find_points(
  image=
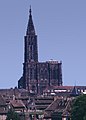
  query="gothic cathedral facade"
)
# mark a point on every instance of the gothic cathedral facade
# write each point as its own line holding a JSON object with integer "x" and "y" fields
{"x": 37, "y": 76}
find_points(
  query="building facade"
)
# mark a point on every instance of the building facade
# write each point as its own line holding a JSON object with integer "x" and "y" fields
{"x": 37, "y": 75}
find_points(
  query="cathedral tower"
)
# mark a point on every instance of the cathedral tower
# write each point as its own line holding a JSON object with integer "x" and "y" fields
{"x": 31, "y": 52}
{"x": 37, "y": 76}
{"x": 30, "y": 57}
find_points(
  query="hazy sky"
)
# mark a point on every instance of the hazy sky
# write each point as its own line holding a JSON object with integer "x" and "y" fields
{"x": 61, "y": 29}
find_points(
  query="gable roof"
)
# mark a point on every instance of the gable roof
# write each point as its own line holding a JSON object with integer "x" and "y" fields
{"x": 17, "y": 104}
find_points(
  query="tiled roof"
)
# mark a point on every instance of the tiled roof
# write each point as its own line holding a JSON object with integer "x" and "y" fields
{"x": 53, "y": 105}
{"x": 17, "y": 104}
{"x": 43, "y": 101}
{"x": 64, "y": 87}
{"x": 59, "y": 105}
{"x": 67, "y": 110}
{"x": 3, "y": 106}
{"x": 2, "y": 101}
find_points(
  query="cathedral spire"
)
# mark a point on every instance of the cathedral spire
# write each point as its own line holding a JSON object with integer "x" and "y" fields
{"x": 30, "y": 10}
{"x": 30, "y": 27}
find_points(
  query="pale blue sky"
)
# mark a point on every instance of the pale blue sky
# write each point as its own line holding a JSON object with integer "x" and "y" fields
{"x": 61, "y": 29}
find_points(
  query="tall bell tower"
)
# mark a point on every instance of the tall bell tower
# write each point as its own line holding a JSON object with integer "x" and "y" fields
{"x": 30, "y": 41}
{"x": 30, "y": 57}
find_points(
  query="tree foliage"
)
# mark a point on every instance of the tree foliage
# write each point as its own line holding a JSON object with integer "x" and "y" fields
{"x": 12, "y": 115}
{"x": 79, "y": 108}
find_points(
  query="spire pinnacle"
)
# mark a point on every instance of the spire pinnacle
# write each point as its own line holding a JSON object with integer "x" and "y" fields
{"x": 30, "y": 27}
{"x": 30, "y": 10}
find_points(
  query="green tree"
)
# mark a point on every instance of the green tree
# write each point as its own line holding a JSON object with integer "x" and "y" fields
{"x": 12, "y": 115}
{"x": 79, "y": 108}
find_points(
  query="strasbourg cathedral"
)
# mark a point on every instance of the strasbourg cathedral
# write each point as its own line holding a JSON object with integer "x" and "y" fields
{"x": 37, "y": 76}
